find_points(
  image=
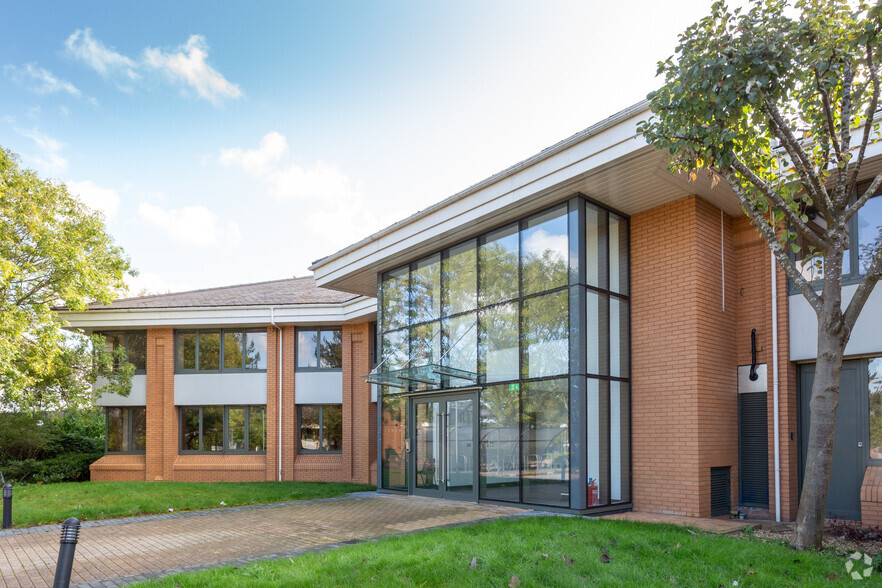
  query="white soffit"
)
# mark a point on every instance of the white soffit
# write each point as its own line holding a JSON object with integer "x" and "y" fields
{"x": 356, "y": 310}
{"x": 609, "y": 163}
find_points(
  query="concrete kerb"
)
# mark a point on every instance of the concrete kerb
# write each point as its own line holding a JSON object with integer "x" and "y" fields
{"x": 189, "y": 513}
{"x": 125, "y": 580}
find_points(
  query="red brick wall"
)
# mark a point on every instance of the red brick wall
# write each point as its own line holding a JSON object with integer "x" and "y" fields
{"x": 684, "y": 418}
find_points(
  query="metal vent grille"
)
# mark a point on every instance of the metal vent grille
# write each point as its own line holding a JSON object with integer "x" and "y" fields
{"x": 753, "y": 449}
{"x": 719, "y": 491}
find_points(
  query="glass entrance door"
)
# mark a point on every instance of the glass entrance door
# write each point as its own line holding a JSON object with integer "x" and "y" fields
{"x": 445, "y": 452}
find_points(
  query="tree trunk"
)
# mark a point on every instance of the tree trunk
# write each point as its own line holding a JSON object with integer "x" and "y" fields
{"x": 822, "y": 424}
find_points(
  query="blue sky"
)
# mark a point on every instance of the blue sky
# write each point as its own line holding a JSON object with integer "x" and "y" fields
{"x": 237, "y": 142}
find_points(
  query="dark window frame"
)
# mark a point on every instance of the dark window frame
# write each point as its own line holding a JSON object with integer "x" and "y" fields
{"x": 318, "y": 358}
{"x": 125, "y": 344}
{"x": 226, "y": 431}
{"x": 128, "y": 417}
{"x": 853, "y": 275}
{"x": 321, "y": 407}
{"x": 222, "y": 369}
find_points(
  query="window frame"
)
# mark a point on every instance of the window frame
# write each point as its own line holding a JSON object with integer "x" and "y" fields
{"x": 128, "y": 418}
{"x": 318, "y": 357}
{"x": 853, "y": 275}
{"x": 226, "y": 431}
{"x": 125, "y": 344}
{"x": 321, "y": 407}
{"x": 222, "y": 369}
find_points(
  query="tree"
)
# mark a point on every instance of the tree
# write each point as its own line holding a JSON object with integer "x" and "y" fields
{"x": 53, "y": 251}
{"x": 781, "y": 102}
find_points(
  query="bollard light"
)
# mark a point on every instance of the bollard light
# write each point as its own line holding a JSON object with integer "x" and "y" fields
{"x": 70, "y": 530}
{"x": 7, "y": 506}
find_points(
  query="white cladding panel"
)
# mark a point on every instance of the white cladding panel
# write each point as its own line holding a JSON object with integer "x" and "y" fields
{"x": 137, "y": 396}
{"x": 209, "y": 389}
{"x": 318, "y": 387}
{"x": 865, "y": 339}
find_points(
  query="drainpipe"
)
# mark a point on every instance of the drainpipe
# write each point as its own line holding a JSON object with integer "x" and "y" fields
{"x": 775, "y": 389}
{"x": 279, "y": 358}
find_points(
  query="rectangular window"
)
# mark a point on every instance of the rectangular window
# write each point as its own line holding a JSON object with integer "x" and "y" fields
{"x": 425, "y": 290}
{"x": 135, "y": 344}
{"x": 498, "y": 266}
{"x": 220, "y": 350}
{"x": 320, "y": 349}
{"x": 223, "y": 429}
{"x": 874, "y": 375}
{"x": 498, "y": 342}
{"x": 321, "y": 428}
{"x": 499, "y": 447}
{"x": 545, "y": 336}
{"x": 125, "y": 429}
{"x": 545, "y": 444}
{"x": 545, "y": 251}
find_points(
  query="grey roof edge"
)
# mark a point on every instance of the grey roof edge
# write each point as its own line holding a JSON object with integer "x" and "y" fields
{"x": 594, "y": 129}
{"x": 97, "y": 306}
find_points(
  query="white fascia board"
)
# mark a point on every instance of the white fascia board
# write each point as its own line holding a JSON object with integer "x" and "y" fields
{"x": 243, "y": 316}
{"x": 591, "y": 152}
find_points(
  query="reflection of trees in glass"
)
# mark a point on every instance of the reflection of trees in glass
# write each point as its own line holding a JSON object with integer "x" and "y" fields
{"x": 233, "y": 349}
{"x": 425, "y": 344}
{"x": 394, "y": 464}
{"x": 187, "y": 350}
{"x": 257, "y": 428}
{"x": 460, "y": 281}
{"x": 461, "y": 342}
{"x": 393, "y": 300}
{"x": 213, "y": 428}
{"x": 425, "y": 290}
{"x": 236, "y": 428}
{"x": 190, "y": 429}
{"x": 331, "y": 349}
{"x": 498, "y": 258}
{"x": 545, "y": 441}
{"x": 545, "y": 252}
{"x": 393, "y": 354}
{"x": 545, "y": 335}
{"x": 139, "y": 429}
{"x": 332, "y": 427}
{"x": 498, "y": 342}
{"x": 869, "y": 231}
{"x": 310, "y": 427}
{"x": 255, "y": 350}
{"x": 209, "y": 350}
{"x": 875, "y": 378}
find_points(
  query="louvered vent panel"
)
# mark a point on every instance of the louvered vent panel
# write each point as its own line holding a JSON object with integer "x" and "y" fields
{"x": 719, "y": 491}
{"x": 753, "y": 438}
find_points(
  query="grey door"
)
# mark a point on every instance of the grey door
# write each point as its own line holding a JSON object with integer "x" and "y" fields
{"x": 844, "y": 498}
{"x": 444, "y": 452}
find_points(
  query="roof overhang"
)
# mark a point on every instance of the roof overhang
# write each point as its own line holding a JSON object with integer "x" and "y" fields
{"x": 356, "y": 310}
{"x": 608, "y": 162}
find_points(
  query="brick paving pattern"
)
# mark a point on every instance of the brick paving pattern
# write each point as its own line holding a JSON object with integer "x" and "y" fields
{"x": 133, "y": 550}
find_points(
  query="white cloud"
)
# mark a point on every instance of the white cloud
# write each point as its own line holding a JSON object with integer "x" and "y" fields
{"x": 103, "y": 59}
{"x": 319, "y": 181}
{"x": 260, "y": 161}
{"x": 187, "y": 64}
{"x": 40, "y": 80}
{"x": 194, "y": 225}
{"x": 95, "y": 197}
{"x": 50, "y": 160}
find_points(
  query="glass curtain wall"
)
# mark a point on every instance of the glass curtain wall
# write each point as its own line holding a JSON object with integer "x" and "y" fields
{"x": 507, "y": 305}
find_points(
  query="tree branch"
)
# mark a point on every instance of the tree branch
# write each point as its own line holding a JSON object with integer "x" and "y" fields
{"x": 800, "y": 160}
{"x": 759, "y": 221}
{"x": 868, "y": 193}
{"x": 868, "y": 122}
{"x": 874, "y": 272}
{"x": 828, "y": 113}
{"x": 776, "y": 199}
{"x": 840, "y": 195}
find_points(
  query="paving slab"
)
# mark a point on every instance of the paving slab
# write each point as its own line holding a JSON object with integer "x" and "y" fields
{"x": 119, "y": 552}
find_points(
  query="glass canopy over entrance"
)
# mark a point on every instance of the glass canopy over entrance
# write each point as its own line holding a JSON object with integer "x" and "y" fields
{"x": 504, "y": 364}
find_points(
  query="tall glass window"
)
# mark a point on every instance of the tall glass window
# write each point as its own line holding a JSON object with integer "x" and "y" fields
{"x": 499, "y": 306}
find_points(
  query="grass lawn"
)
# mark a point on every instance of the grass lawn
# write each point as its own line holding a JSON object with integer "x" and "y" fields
{"x": 38, "y": 504}
{"x": 541, "y": 552}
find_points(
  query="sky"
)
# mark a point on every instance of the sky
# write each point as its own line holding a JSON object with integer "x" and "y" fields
{"x": 228, "y": 143}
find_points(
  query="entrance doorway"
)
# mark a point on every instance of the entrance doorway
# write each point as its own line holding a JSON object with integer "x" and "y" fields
{"x": 445, "y": 450}
{"x": 844, "y": 498}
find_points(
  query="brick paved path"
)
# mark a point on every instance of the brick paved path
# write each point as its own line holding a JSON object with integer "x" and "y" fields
{"x": 122, "y": 551}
